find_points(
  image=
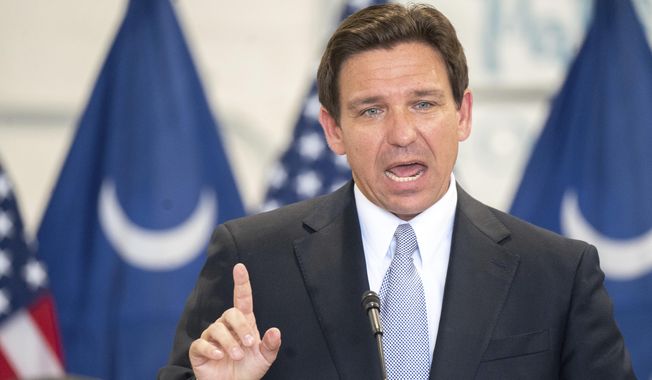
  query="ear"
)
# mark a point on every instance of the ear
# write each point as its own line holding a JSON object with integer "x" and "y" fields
{"x": 332, "y": 131}
{"x": 465, "y": 116}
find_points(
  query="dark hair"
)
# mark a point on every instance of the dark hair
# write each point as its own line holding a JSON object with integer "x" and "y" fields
{"x": 385, "y": 26}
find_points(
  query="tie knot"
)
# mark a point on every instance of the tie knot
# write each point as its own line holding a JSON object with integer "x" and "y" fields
{"x": 406, "y": 240}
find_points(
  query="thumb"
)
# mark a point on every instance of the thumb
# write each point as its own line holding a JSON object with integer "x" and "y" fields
{"x": 271, "y": 344}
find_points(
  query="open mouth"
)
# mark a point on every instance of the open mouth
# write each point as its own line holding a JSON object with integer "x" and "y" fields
{"x": 405, "y": 173}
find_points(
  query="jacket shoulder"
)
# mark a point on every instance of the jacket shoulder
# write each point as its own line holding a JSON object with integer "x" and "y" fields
{"x": 520, "y": 236}
{"x": 294, "y": 220}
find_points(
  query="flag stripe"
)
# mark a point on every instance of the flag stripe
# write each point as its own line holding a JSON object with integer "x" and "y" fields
{"x": 42, "y": 312}
{"x": 24, "y": 350}
{"x": 6, "y": 370}
{"x": 19, "y": 335}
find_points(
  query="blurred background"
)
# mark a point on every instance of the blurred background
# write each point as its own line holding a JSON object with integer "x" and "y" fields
{"x": 256, "y": 61}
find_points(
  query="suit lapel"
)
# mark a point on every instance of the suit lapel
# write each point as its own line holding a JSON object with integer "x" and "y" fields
{"x": 480, "y": 274}
{"x": 332, "y": 262}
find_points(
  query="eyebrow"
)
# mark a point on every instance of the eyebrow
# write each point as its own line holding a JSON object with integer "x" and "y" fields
{"x": 430, "y": 92}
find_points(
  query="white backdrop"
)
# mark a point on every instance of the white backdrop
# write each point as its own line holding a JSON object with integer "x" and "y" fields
{"x": 257, "y": 59}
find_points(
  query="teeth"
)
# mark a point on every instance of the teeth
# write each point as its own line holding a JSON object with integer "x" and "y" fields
{"x": 396, "y": 178}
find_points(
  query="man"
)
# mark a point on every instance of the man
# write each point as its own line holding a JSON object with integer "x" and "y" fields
{"x": 466, "y": 291}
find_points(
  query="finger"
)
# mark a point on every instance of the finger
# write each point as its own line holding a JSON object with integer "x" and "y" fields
{"x": 223, "y": 338}
{"x": 202, "y": 351}
{"x": 242, "y": 297}
{"x": 271, "y": 344}
{"x": 238, "y": 323}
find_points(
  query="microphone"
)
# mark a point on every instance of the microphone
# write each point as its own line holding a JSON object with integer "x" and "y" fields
{"x": 371, "y": 304}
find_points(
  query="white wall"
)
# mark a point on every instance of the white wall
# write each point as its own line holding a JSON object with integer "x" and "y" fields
{"x": 256, "y": 59}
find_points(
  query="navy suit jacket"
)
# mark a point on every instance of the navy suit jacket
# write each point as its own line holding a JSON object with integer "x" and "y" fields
{"x": 520, "y": 302}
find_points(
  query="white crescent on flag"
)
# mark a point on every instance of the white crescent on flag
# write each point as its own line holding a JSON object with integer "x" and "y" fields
{"x": 159, "y": 250}
{"x": 622, "y": 259}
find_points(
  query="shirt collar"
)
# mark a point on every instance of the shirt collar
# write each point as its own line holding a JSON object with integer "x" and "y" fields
{"x": 431, "y": 226}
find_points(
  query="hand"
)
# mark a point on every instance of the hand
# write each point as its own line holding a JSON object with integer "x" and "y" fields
{"x": 231, "y": 347}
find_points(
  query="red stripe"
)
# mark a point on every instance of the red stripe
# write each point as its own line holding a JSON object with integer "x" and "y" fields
{"x": 42, "y": 312}
{"x": 6, "y": 371}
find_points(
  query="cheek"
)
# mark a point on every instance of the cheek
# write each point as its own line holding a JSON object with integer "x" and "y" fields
{"x": 361, "y": 143}
{"x": 442, "y": 140}
{"x": 362, "y": 152}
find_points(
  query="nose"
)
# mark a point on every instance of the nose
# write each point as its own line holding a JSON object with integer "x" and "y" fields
{"x": 401, "y": 129}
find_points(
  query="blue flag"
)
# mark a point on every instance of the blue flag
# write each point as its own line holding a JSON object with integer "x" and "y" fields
{"x": 590, "y": 175}
{"x": 308, "y": 167}
{"x": 144, "y": 184}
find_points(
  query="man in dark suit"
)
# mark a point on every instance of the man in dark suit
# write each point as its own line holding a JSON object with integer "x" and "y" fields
{"x": 481, "y": 294}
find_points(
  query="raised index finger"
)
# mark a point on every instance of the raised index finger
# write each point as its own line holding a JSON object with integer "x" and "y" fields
{"x": 242, "y": 297}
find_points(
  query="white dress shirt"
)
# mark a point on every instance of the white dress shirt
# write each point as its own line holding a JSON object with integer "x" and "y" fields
{"x": 434, "y": 230}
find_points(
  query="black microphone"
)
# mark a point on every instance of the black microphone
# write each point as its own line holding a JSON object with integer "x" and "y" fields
{"x": 371, "y": 304}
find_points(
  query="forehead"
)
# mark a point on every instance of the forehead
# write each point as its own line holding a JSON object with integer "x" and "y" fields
{"x": 400, "y": 68}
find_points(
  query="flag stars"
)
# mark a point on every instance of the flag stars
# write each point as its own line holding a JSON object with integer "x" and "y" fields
{"x": 5, "y": 263}
{"x": 308, "y": 184}
{"x": 341, "y": 162}
{"x": 5, "y": 187}
{"x": 278, "y": 177}
{"x": 6, "y": 225}
{"x": 312, "y": 106}
{"x": 35, "y": 275}
{"x": 311, "y": 146}
{"x": 5, "y": 304}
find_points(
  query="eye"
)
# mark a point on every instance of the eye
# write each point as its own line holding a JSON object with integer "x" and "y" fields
{"x": 423, "y": 105}
{"x": 372, "y": 112}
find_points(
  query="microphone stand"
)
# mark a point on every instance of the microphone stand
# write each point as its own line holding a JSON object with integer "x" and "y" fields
{"x": 381, "y": 356}
{"x": 371, "y": 304}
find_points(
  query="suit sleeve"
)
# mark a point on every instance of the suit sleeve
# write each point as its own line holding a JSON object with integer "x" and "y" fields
{"x": 212, "y": 295}
{"x": 593, "y": 345}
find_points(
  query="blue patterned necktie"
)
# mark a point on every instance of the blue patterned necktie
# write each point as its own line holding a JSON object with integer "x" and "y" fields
{"x": 403, "y": 313}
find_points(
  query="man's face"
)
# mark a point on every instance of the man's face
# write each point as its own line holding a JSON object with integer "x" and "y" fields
{"x": 399, "y": 126}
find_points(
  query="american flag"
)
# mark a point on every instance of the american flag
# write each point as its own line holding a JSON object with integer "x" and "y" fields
{"x": 29, "y": 340}
{"x": 308, "y": 167}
